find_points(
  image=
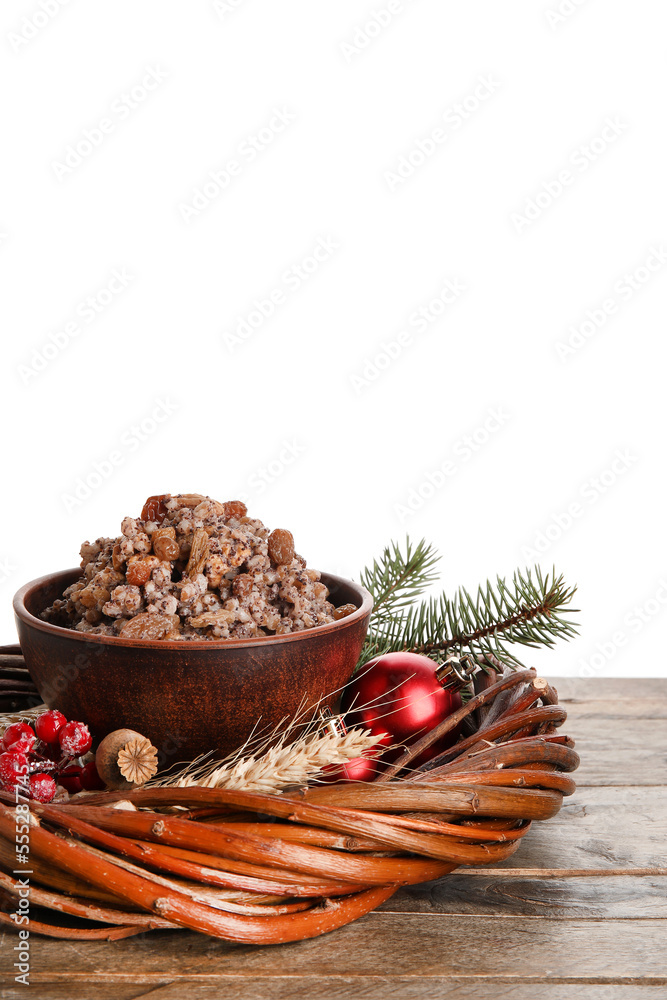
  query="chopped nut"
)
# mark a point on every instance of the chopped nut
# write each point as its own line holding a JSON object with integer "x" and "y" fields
{"x": 242, "y": 585}
{"x": 212, "y": 618}
{"x": 199, "y": 553}
{"x": 147, "y": 626}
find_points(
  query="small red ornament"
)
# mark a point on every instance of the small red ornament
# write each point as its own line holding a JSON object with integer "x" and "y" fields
{"x": 19, "y": 737}
{"x": 398, "y": 694}
{"x": 74, "y": 739}
{"x": 48, "y": 725}
{"x": 357, "y": 769}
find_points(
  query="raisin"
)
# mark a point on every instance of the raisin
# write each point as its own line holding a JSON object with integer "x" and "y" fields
{"x": 234, "y": 508}
{"x": 147, "y": 626}
{"x": 165, "y": 546}
{"x": 154, "y": 509}
{"x": 343, "y": 611}
{"x": 281, "y": 546}
{"x": 139, "y": 570}
{"x": 242, "y": 585}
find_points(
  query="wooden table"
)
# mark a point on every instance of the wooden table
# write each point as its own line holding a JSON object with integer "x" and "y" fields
{"x": 578, "y": 913}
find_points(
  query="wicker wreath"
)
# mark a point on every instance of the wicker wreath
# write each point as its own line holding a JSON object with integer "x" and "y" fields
{"x": 266, "y": 869}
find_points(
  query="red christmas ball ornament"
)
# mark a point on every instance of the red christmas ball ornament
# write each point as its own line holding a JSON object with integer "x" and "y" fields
{"x": 398, "y": 694}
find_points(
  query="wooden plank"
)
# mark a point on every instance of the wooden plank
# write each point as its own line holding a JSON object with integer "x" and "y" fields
{"x": 618, "y": 750}
{"x": 348, "y": 988}
{"x": 519, "y": 949}
{"x": 602, "y": 827}
{"x": 599, "y": 690}
{"x": 629, "y": 711}
{"x": 556, "y": 898}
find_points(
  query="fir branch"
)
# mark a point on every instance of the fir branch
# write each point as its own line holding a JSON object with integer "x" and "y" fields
{"x": 527, "y": 610}
{"x": 396, "y": 580}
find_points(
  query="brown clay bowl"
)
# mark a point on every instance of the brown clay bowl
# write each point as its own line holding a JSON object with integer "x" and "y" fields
{"x": 187, "y": 697}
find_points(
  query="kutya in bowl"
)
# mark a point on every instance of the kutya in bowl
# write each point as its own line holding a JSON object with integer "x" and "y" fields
{"x": 187, "y": 697}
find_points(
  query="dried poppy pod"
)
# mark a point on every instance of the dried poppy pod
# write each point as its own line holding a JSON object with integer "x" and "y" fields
{"x": 125, "y": 759}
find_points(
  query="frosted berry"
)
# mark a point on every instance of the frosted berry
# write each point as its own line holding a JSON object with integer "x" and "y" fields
{"x": 74, "y": 739}
{"x": 70, "y": 778}
{"x": 13, "y": 768}
{"x": 90, "y": 779}
{"x": 48, "y": 724}
{"x": 19, "y": 737}
{"x": 42, "y": 787}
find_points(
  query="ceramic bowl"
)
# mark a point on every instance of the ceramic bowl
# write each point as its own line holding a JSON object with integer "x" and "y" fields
{"x": 187, "y": 697}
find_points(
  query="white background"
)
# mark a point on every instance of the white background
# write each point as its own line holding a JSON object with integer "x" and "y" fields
{"x": 482, "y": 208}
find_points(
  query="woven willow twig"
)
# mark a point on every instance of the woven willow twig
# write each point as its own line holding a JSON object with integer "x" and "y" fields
{"x": 268, "y": 868}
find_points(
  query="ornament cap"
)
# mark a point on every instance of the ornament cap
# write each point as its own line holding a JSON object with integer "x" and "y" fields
{"x": 456, "y": 670}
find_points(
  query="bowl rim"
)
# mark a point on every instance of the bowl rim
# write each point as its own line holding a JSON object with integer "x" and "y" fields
{"x": 28, "y": 618}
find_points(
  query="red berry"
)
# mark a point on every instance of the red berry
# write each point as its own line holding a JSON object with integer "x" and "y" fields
{"x": 48, "y": 724}
{"x": 90, "y": 779}
{"x": 19, "y": 737}
{"x": 13, "y": 768}
{"x": 42, "y": 787}
{"x": 74, "y": 739}
{"x": 70, "y": 778}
